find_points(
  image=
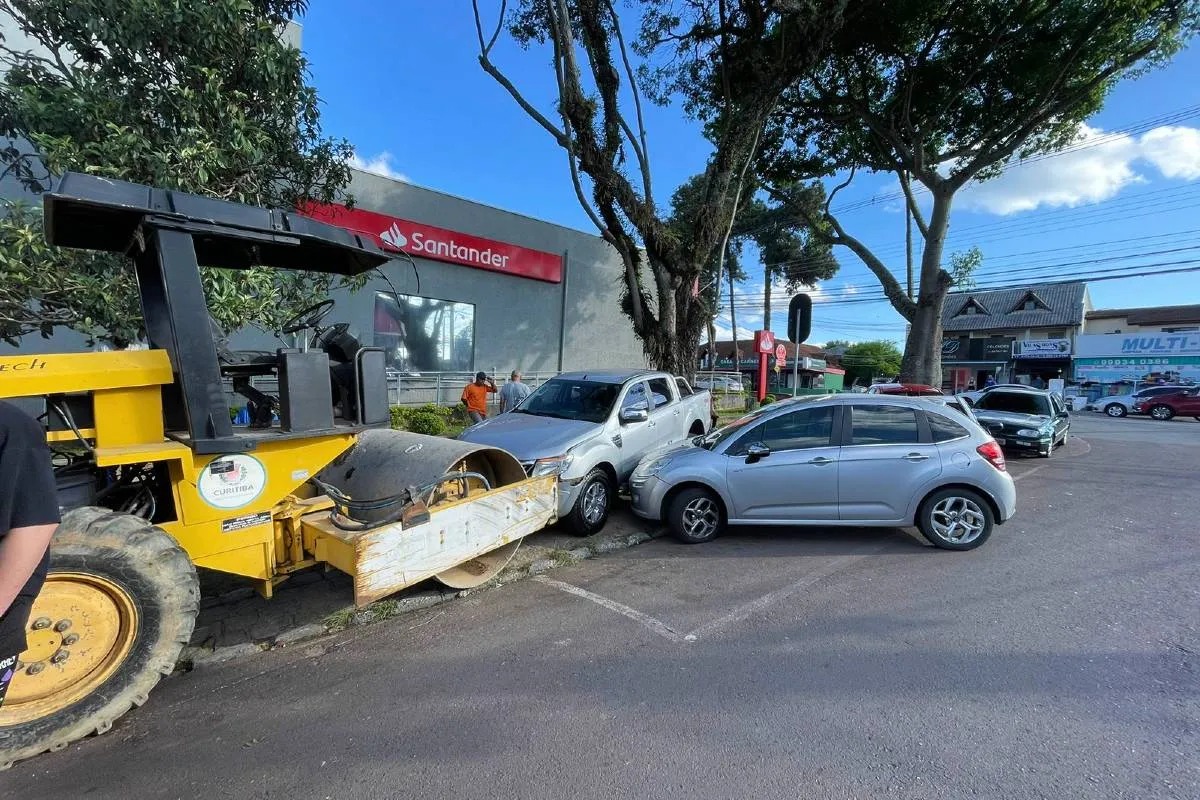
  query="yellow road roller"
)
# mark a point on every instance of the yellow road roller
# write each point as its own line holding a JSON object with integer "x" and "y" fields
{"x": 155, "y": 479}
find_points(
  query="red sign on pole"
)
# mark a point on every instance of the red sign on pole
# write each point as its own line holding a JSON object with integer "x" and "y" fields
{"x": 780, "y": 355}
{"x": 440, "y": 244}
{"x": 764, "y": 344}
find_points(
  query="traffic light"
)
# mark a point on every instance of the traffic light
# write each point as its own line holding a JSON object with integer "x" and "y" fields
{"x": 799, "y": 318}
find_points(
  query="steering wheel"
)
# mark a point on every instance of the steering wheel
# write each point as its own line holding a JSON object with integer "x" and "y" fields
{"x": 308, "y": 318}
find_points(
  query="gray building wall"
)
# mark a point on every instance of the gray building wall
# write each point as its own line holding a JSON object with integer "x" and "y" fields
{"x": 518, "y": 321}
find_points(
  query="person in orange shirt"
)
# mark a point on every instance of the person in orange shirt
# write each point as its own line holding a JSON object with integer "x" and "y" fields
{"x": 474, "y": 396}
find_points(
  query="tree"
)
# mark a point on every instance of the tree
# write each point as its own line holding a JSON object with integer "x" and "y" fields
{"x": 740, "y": 55}
{"x": 790, "y": 251}
{"x": 201, "y": 96}
{"x": 944, "y": 92}
{"x": 867, "y": 360}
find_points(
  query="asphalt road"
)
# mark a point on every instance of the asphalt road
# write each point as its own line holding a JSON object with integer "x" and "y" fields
{"x": 1060, "y": 660}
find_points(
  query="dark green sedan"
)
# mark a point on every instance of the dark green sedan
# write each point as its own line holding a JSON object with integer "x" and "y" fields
{"x": 1024, "y": 420}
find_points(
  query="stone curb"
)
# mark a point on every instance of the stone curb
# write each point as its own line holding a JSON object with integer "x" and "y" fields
{"x": 351, "y": 617}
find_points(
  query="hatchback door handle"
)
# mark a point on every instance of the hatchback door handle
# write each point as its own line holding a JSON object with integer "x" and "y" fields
{"x": 915, "y": 457}
{"x": 822, "y": 460}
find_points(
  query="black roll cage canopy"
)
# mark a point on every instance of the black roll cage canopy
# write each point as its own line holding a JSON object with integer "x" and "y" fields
{"x": 169, "y": 235}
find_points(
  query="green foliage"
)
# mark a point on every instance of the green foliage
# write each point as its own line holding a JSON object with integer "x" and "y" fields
{"x": 199, "y": 96}
{"x": 963, "y": 266}
{"x": 867, "y": 360}
{"x": 767, "y": 400}
{"x": 404, "y": 417}
{"x": 426, "y": 422}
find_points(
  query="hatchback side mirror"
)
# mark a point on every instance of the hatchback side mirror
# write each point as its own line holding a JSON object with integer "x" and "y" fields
{"x": 757, "y": 452}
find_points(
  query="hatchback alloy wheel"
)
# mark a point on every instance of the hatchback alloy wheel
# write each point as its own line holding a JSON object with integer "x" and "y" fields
{"x": 956, "y": 518}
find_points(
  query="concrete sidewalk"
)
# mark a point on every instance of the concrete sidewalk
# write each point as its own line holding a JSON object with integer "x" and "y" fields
{"x": 235, "y": 621}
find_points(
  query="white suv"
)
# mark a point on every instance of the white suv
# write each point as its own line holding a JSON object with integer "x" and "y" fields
{"x": 1120, "y": 405}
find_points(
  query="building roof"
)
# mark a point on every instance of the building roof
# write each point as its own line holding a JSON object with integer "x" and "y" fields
{"x": 1059, "y": 305}
{"x": 1157, "y": 315}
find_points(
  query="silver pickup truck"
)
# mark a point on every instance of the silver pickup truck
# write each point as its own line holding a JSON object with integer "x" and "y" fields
{"x": 591, "y": 429}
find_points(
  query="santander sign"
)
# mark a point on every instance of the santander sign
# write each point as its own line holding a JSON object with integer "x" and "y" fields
{"x": 440, "y": 244}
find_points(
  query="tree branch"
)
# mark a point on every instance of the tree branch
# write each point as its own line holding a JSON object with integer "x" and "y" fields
{"x": 642, "y": 150}
{"x": 918, "y": 217}
{"x": 486, "y": 63}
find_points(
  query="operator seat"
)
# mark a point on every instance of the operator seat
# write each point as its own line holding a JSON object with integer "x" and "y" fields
{"x": 242, "y": 365}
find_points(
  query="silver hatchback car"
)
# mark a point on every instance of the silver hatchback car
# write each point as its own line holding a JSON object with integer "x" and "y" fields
{"x": 851, "y": 460}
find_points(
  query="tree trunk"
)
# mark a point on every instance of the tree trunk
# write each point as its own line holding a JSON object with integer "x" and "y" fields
{"x": 922, "y": 361}
{"x": 767, "y": 299}
{"x": 737, "y": 356}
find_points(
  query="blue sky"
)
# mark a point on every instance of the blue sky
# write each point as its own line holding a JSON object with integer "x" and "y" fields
{"x": 401, "y": 81}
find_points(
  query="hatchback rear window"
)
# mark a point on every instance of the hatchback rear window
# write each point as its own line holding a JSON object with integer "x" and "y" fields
{"x": 943, "y": 429}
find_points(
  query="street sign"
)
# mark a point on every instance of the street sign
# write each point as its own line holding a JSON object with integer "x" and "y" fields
{"x": 781, "y": 355}
{"x": 765, "y": 342}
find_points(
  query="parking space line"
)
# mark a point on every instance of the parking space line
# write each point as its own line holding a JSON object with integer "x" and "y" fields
{"x": 658, "y": 626}
{"x": 1028, "y": 472}
{"x": 836, "y": 565}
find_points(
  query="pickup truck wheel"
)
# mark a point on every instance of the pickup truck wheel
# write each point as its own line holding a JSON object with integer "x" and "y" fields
{"x": 1115, "y": 410}
{"x": 694, "y": 516}
{"x": 593, "y": 504}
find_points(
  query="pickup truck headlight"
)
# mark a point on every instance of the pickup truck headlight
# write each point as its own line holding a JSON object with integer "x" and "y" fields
{"x": 648, "y": 469}
{"x": 555, "y": 465}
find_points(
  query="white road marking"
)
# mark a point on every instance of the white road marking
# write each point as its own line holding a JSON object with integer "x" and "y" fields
{"x": 658, "y": 626}
{"x": 1028, "y": 472}
{"x": 836, "y": 565}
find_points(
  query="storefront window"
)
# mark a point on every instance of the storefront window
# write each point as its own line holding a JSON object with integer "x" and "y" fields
{"x": 423, "y": 334}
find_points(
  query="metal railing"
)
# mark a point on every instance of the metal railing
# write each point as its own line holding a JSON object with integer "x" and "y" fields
{"x": 439, "y": 388}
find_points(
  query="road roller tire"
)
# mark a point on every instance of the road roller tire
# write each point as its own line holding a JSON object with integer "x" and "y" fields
{"x": 120, "y": 601}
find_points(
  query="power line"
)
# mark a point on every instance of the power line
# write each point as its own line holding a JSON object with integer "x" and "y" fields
{"x": 1024, "y": 273}
{"x": 1088, "y": 278}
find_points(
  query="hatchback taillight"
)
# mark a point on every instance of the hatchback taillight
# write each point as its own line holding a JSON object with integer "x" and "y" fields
{"x": 994, "y": 455}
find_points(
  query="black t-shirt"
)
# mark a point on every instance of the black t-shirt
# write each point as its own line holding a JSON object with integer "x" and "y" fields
{"x": 28, "y": 497}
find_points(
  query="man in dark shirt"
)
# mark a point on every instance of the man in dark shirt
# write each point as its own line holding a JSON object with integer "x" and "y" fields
{"x": 28, "y": 518}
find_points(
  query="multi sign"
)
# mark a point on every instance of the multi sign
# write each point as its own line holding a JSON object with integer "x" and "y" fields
{"x": 440, "y": 244}
{"x": 1142, "y": 344}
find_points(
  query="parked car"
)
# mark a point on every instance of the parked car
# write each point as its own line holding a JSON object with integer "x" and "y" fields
{"x": 975, "y": 394}
{"x": 591, "y": 429}
{"x": 1120, "y": 405}
{"x": 839, "y": 460}
{"x": 1029, "y": 420}
{"x": 1165, "y": 406}
{"x": 719, "y": 383}
{"x": 904, "y": 389}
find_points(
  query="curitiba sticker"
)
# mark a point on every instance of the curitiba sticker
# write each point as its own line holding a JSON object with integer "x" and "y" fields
{"x": 232, "y": 481}
{"x": 247, "y": 521}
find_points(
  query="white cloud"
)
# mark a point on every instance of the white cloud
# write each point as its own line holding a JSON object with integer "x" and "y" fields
{"x": 1089, "y": 175}
{"x": 1174, "y": 150}
{"x": 379, "y": 164}
{"x": 1102, "y": 165}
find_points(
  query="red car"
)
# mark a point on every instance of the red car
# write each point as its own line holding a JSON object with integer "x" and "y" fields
{"x": 1165, "y": 406}
{"x": 906, "y": 389}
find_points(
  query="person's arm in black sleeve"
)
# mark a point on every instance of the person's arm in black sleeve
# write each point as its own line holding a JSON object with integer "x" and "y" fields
{"x": 33, "y": 505}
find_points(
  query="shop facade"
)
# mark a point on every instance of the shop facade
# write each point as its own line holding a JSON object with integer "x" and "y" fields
{"x": 814, "y": 371}
{"x": 1023, "y": 334}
